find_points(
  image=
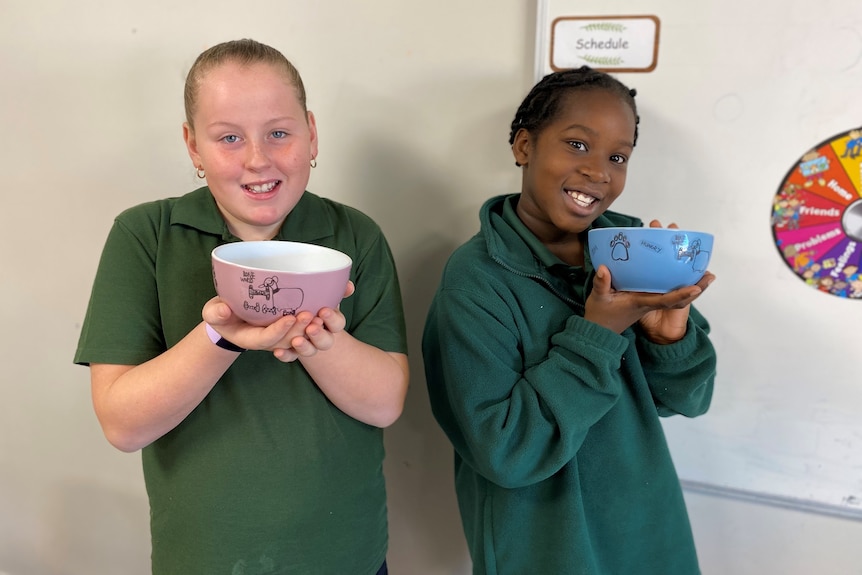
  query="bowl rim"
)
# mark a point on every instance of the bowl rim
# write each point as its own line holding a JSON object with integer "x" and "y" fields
{"x": 676, "y": 230}
{"x": 348, "y": 261}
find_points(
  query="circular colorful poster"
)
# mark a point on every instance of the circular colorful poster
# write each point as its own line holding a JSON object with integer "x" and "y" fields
{"x": 817, "y": 216}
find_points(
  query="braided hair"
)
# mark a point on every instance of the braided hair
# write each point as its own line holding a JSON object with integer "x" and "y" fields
{"x": 542, "y": 103}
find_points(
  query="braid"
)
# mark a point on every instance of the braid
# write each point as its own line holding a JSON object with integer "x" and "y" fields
{"x": 542, "y": 103}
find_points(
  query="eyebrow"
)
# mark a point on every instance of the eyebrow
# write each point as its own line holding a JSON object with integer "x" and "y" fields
{"x": 280, "y": 120}
{"x": 591, "y": 132}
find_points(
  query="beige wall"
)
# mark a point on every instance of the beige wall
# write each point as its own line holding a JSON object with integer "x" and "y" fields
{"x": 413, "y": 101}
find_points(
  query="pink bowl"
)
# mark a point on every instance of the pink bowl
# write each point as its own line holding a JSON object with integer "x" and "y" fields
{"x": 263, "y": 281}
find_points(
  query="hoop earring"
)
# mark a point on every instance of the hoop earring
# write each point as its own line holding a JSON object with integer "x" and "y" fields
{"x": 313, "y": 162}
{"x": 201, "y": 173}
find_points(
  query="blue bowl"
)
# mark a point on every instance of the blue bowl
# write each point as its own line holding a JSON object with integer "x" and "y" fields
{"x": 654, "y": 260}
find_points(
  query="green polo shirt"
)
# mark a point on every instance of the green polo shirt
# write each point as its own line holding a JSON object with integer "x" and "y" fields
{"x": 266, "y": 475}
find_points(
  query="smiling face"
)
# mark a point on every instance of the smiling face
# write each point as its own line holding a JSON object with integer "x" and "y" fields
{"x": 574, "y": 168}
{"x": 254, "y": 140}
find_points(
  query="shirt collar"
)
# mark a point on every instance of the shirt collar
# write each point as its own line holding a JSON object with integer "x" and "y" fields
{"x": 198, "y": 209}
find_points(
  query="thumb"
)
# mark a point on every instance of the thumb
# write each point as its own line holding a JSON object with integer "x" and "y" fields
{"x": 216, "y": 311}
{"x": 351, "y": 287}
{"x": 602, "y": 281}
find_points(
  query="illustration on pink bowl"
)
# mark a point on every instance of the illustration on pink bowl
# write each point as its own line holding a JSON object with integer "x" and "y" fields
{"x": 263, "y": 281}
{"x": 654, "y": 260}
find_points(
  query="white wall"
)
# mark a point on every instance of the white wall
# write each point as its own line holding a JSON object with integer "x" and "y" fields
{"x": 413, "y": 102}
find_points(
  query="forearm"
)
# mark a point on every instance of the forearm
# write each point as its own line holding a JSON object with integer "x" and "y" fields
{"x": 681, "y": 375}
{"x": 136, "y": 405}
{"x": 518, "y": 425}
{"x": 364, "y": 382}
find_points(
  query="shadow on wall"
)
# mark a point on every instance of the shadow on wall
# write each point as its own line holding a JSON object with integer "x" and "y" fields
{"x": 115, "y": 539}
{"x": 79, "y": 528}
{"x": 427, "y": 206}
{"x": 419, "y": 465}
{"x": 422, "y": 158}
{"x": 425, "y": 529}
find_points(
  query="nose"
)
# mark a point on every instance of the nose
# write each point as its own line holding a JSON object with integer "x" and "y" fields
{"x": 595, "y": 172}
{"x": 256, "y": 156}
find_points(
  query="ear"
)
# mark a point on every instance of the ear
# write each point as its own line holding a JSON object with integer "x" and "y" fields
{"x": 191, "y": 144}
{"x": 522, "y": 147}
{"x": 312, "y": 129}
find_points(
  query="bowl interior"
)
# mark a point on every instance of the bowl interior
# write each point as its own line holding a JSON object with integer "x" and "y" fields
{"x": 282, "y": 257}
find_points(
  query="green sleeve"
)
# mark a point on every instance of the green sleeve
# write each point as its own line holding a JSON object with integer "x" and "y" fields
{"x": 376, "y": 310}
{"x": 515, "y": 424}
{"x": 681, "y": 375}
{"x": 122, "y": 324}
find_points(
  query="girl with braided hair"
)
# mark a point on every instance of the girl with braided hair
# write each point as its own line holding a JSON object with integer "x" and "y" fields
{"x": 548, "y": 382}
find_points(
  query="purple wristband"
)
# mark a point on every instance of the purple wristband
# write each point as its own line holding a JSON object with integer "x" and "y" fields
{"x": 217, "y": 339}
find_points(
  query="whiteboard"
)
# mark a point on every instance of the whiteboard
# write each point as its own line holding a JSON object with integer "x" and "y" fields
{"x": 741, "y": 91}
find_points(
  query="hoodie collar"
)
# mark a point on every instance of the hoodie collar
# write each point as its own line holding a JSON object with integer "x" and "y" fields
{"x": 540, "y": 250}
{"x": 509, "y": 241}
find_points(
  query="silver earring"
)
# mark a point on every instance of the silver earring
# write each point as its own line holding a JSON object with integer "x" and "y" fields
{"x": 313, "y": 162}
{"x": 201, "y": 173}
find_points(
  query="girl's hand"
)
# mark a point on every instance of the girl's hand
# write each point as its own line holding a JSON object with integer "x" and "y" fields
{"x": 218, "y": 314}
{"x": 288, "y": 337}
{"x": 311, "y": 334}
{"x": 667, "y": 325}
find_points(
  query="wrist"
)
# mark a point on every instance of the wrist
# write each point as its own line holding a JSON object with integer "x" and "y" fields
{"x": 217, "y": 339}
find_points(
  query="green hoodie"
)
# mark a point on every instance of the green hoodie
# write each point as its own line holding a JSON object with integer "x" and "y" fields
{"x": 561, "y": 464}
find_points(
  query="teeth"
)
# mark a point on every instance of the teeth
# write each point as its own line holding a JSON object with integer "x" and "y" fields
{"x": 582, "y": 199}
{"x": 262, "y": 189}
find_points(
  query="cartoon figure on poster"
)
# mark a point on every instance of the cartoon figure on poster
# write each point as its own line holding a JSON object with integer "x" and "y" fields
{"x": 854, "y": 145}
{"x": 817, "y": 216}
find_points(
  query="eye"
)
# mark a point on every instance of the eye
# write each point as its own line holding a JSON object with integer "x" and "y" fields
{"x": 578, "y": 145}
{"x": 619, "y": 159}
{"x": 279, "y": 134}
{"x": 230, "y": 139}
